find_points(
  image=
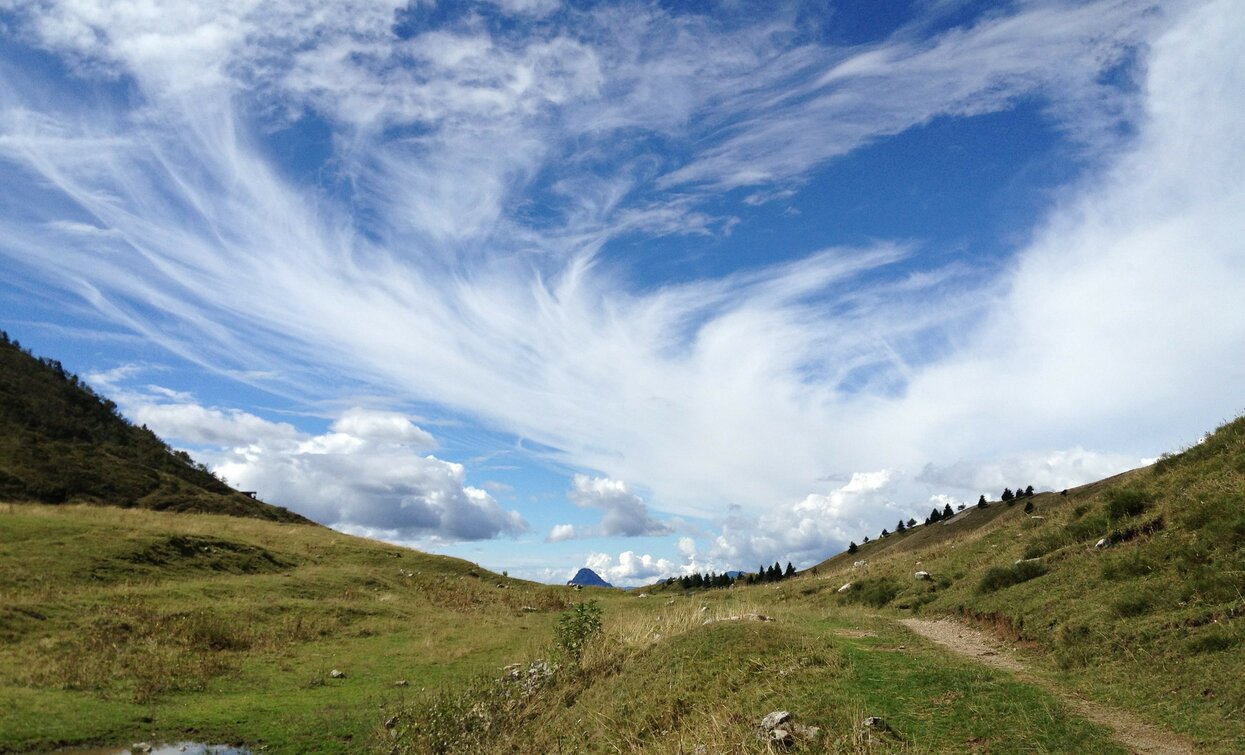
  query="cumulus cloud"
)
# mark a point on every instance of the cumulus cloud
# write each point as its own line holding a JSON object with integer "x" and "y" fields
{"x": 364, "y": 475}
{"x": 625, "y": 514}
{"x": 561, "y": 532}
{"x": 629, "y": 569}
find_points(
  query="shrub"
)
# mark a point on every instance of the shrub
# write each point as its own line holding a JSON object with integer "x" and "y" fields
{"x": 1074, "y": 647}
{"x": 1132, "y": 605}
{"x": 998, "y": 577}
{"x": 1129, "y": 502}
{"x": 576, "y": 627}
{"x": 1214, "y": 641}
{"x": 872, "y": 592}
{"x": 1132, "y": 562}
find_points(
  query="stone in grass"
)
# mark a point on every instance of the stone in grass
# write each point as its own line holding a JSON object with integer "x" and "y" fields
{"x": 773, "y": 720}
{"x": 778, "y": 729}
{"x": 402, "y": 683}
{"x": 845, "y": 587}
{"x": 922, "y": 575}
{"x": 337, "y": 674}
{"x": 1103, "y": 543}
{"x": 876, "y": 724}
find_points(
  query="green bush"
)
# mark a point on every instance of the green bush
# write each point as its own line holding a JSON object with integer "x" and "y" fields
{"x": 1132, "y": 605}
{"x": 576, "y": 628}
{"x": 1214, "y": 641}
{"x": 872, "y": 592}
{"x": 998, "y": 577}
{"x": 1122, "y": 504}
{"x": 1073, "y": 646}
{"x": 1089, "y": 528}
{"x": 1130, "y": 563}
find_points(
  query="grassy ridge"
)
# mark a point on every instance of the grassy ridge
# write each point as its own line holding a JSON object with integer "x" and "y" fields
{"x": 1150, "y": 622}
{"x": 119, "y": 624}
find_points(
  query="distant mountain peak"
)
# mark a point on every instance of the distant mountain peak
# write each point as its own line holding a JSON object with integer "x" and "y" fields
{"x": 586, "y": 577}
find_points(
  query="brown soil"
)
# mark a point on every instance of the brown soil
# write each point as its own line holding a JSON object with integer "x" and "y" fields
{"x": 1130, "y": 731}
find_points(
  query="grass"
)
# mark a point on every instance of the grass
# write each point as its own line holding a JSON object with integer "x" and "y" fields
{"x": 681, "y": 679}
{"x": 137, "y": 624}
{"x": 121, "y": 624}
{"x": 1150, "y": 623}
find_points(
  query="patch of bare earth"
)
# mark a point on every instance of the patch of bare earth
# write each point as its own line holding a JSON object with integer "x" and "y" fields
{"x": 1130, "y": 731}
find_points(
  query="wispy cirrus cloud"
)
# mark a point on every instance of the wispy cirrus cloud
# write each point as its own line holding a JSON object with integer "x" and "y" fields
{"x": 454, "y": 245}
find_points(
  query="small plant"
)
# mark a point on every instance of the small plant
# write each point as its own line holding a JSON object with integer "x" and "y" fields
{"x": 999, "y": 577}
{"x": 576, "y": 628}
{"x": 1132, "y": 605}
{"x": 1122, "y": 504}
{"x": 872, "y": 592}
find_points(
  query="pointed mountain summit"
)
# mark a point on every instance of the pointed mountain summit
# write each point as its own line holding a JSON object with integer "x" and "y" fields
{"x": 586, "y": 577}
{"x": 60, "y": 442}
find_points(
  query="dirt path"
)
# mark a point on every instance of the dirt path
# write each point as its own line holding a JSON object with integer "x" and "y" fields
{"x": 1131, "y": 732}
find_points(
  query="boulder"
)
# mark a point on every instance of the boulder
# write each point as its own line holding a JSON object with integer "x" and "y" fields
{"x": 845, "y": 587}
{"x": 875, "y": 723}
{"x": 141, "y": 747}
{"x": 1103, "y": 543}
{"x": 402, "y": 683}
{"x": 336, "y": 674}
{"x": 860, "y": 564}
{"x": 922, "y": 575}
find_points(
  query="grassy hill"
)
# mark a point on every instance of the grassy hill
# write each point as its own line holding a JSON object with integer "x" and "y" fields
{"x": 60, "y": 442}
{"x": 121, "y": 623}
{"x": 1150, "y": 620}
{"x": 118, "y": 625}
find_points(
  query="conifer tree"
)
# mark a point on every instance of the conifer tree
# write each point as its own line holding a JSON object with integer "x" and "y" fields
{"x": 947, "y": 513}
{"x": 1007, "y": 495}
{"x": 900, "y": 527}
{"x": 981, "y": 502}
{"x": 852, "y": 547}
{"x": 790, "y": 570}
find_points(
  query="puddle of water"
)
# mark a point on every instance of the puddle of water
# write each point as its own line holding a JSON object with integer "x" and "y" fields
{"x": 177, "y": 748}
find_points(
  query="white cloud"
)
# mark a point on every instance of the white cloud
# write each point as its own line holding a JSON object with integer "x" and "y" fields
{"x": 630, "y": 569}
{"x": 561, "y": 532}
{"x": 1114, "y": 330}
{"x": 625, "y": 513}
{"x": 365, "y": 475}
{"x": 383, "y": 427}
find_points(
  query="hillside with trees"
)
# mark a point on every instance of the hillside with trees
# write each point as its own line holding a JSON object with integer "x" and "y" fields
{"x": 61, "y": 442}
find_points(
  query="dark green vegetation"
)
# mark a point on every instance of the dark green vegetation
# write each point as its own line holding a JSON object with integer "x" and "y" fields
{"x": 60, "y": 442}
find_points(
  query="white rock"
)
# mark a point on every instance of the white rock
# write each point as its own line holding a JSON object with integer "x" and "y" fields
{"x": 845, "y": 587}
{"x": 336, "y": 674}
{"x": 774, "y": 719}
{"x": 922, "y": 575}
{"x": 1101, "y": 544}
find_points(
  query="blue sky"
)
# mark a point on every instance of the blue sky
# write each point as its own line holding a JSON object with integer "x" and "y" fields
{"x": 649, "y": 287}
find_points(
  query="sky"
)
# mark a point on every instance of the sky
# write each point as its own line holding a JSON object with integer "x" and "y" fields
{"x": 649, "y": 287}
